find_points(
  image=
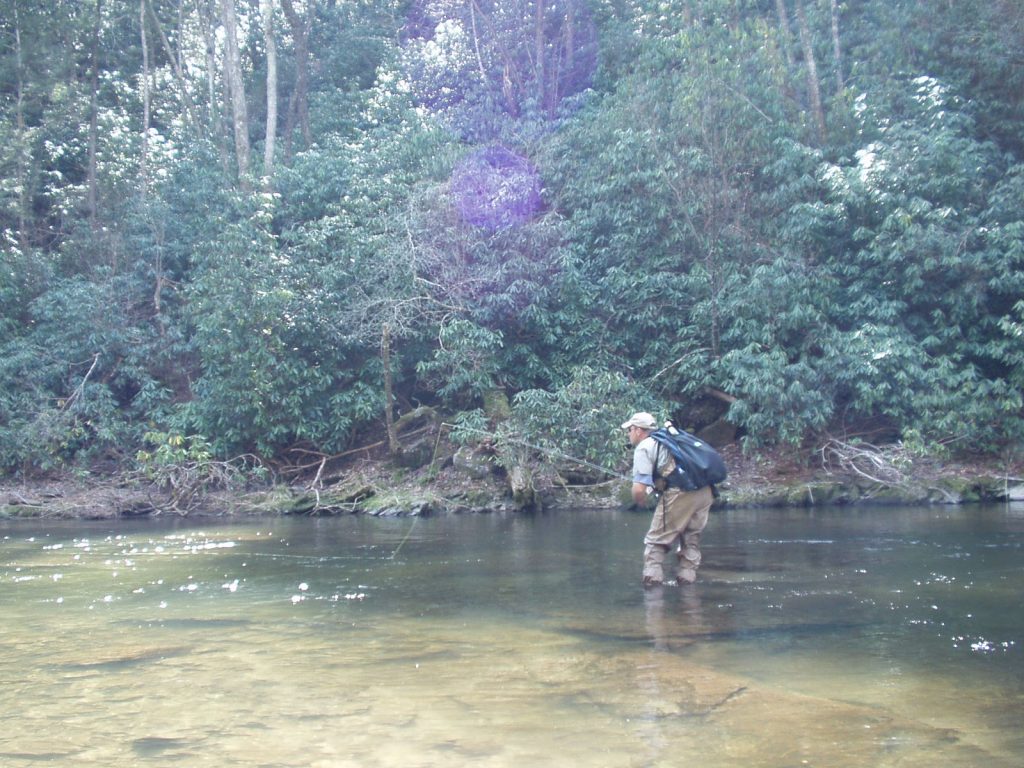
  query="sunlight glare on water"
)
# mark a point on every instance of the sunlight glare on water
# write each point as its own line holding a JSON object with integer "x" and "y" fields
{"x": 853, "y": 637}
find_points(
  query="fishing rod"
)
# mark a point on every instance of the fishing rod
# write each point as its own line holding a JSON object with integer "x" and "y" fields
{"x": 524, "y": 443}
{"x": 542, "y": 449}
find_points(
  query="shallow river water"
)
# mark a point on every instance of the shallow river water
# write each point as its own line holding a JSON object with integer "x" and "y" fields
{"x": 848, "y": 637}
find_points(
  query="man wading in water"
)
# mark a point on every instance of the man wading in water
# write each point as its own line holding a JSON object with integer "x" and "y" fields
{"x": 679, "y": 517}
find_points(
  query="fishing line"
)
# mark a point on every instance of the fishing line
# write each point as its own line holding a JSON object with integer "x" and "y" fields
{"x": 402, "y": 542}
{"x": 311, "y": 558}
{"x": 524, "y": 443}
{"x": 541, "y": 449}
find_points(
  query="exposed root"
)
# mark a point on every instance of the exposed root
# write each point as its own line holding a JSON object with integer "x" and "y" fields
{"x": 885, "y": 466}
{"x": 186, "y": 484}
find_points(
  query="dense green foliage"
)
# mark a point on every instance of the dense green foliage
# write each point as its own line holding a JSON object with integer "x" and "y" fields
{"x": 819, "y": 214}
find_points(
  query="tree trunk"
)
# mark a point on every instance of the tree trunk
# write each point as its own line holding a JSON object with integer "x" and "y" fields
{"x": 512, "y": 86}
{"x": 267, "y": 8}
{"x": 236, "y": 89}
{"x": 389, "y": 405}
{"x": 215, "y": 122}
{"x": 711, "y": 265}
{"x": 298, "y": 110}
{"x": 566, "y": 66}
{"x": 181, "y": 36}
{"x": 158, "y": 268}
{"x": 92, "y": 201}
{"x": 179, "y": 73}
{"x": 837, "y": 48}
{"x": 786, "y": 33}
{"x": 813, "y": 84}
{"x": 539, "y": 54}
{"x": 144, "y": 153}
{"x": 22, "y": 148}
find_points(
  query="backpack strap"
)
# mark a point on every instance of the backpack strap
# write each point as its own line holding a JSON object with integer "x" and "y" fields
{"x": 669, "y": 467}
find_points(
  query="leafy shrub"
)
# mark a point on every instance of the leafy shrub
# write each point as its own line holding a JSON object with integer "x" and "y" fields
{"x": 575, "y": 426}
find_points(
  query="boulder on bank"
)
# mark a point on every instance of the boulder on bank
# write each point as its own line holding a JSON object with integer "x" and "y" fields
{"x": 473, "y": 463}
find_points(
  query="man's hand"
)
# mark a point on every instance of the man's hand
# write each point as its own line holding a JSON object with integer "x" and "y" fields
{"x": 640, "y": 494}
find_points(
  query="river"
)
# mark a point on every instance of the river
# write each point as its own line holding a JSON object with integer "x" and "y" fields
{"x": 843, "y": 637}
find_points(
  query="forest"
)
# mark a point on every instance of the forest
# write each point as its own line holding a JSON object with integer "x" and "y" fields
{"x": 270, "y": 229}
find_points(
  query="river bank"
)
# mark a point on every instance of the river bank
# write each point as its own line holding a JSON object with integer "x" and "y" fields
{"x": 467, "y": 482}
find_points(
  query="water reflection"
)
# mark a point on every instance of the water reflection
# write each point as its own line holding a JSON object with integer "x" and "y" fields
{"x": 845, "y": 638}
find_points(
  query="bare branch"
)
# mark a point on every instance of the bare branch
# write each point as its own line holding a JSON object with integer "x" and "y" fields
{"x": 80, "y": 389}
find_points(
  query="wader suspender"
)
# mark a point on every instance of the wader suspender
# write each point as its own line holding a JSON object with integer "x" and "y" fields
{"x": 654, "y": 477}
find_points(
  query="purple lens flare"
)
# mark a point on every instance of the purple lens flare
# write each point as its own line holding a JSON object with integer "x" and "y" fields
{"x": 496, "y": 188}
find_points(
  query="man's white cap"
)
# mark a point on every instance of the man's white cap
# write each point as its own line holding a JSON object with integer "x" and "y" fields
{"x": 642, "y": 419}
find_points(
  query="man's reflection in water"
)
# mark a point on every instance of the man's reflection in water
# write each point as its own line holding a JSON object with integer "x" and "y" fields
{"x": 673, "y": 620}
{"x": 673, "y": 616}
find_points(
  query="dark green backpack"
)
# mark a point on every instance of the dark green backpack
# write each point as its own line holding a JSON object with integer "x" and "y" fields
{"x": 697, "y": 464}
